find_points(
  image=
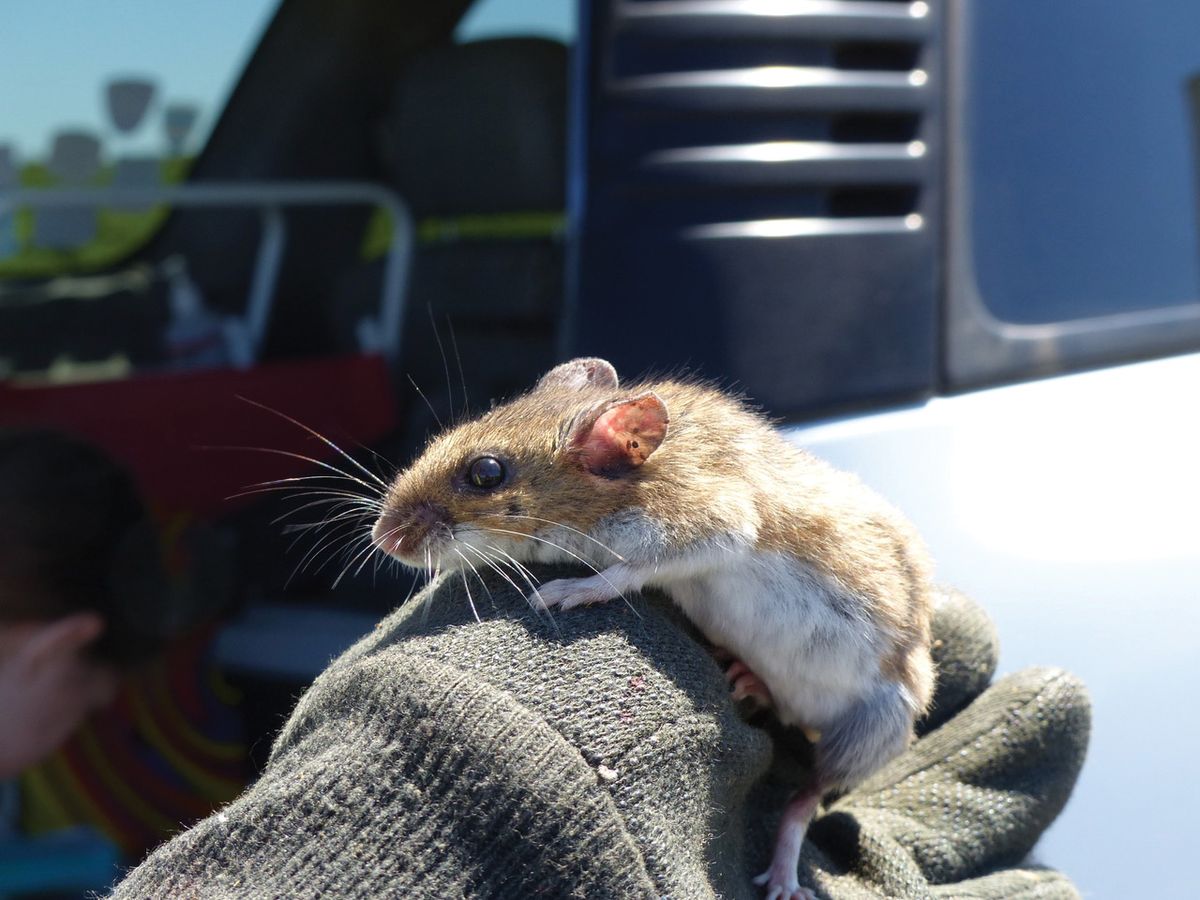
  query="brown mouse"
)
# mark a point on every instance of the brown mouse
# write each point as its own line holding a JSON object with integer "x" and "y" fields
{"x": 818, "y": 587}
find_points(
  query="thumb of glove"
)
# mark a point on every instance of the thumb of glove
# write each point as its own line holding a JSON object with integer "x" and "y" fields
{"x": 1012, "y": 884}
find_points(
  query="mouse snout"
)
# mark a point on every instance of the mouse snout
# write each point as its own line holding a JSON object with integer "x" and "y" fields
{"x": 405, "y": 533}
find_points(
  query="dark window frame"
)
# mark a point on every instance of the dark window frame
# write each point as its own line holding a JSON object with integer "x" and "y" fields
{"x": 980, "y": 348}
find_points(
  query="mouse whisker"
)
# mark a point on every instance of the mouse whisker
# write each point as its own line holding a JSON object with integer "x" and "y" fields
{"x": 319, "y": 437}
{"x": 616, "y": 591}
{"x": 336, "y": 498}
{"x": 320, "y": 476}
{"x": 391, "y": 468}
{"x": 421, "y": 394}
{"x": 346, "y": 555}
{"x": 341, "y": 535}
{"x": 474, "y": 570}
{"x": 461, "y": 374}
{"x": 300, "y": 456}
{"x": 549, "y": 543}
{"x": 329, "y": 545}
{"x": 340, "y": 507}
{"x": 495, "y": 565}
{"x": 383, "y": 559}
{"x": 323, "y": 491}
{"x": 356, "y": 519}
{"x": 516, "y": 564}
{"x": 445, "y": 362}
{"x": 498, "y": 564}
{"x": 582, "y": 534}
{"x": 291, "y": 492}
{"x": 345, "y": 534}
{"x": 301, "y": 530}
{"x": 331, "y": 517}
{"x": 425, "y": 602}
{"x": 520, "y": 569}
{"x": 540, "y": 609}
{"x": 436, "y": 570}
{"x": 467, "y": 587}
{"x": 362, "y": 556}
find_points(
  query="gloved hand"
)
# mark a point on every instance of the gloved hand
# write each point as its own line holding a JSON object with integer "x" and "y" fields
{"x": 474, "y": 747}
{"x": 956, "y": 814}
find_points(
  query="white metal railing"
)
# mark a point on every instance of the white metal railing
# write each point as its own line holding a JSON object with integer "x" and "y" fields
{"x": 380, "y": 334}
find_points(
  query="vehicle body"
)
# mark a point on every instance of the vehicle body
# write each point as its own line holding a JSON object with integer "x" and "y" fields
{"x": 947, "y": 234}
{"x": 952, "y": 246}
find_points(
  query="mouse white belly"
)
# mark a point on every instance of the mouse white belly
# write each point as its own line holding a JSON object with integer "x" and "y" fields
{"x": 795, "y": 628}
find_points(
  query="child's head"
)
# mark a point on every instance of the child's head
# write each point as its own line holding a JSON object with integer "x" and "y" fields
{"x": 74, "y": 536}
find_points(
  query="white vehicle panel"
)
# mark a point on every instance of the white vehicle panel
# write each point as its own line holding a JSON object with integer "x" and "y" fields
{"x": 1070, "y": 508}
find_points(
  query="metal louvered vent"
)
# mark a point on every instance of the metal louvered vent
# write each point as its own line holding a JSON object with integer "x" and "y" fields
{"x": 831, "y": 92}
{"x": 759, "y": 155}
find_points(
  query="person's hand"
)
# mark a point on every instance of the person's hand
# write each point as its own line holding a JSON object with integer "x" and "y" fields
{"x": 47, "y": 686}
{"x": 957, "y": 814}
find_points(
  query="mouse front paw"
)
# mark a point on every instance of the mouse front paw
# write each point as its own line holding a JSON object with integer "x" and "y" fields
{"x": 783, "y": 886}
{"x": 567, "y": 593}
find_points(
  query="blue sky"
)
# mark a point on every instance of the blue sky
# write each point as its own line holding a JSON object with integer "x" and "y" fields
{"x": 544, "y": 18}
{"x": 57, "y": 54}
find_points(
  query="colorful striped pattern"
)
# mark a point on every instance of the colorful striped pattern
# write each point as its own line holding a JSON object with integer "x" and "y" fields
{"x": 167, "y": 753}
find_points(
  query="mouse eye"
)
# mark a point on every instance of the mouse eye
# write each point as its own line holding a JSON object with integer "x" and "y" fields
{"x": 486, "y": 472}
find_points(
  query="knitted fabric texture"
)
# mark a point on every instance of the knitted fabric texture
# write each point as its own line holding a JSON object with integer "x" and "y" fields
{"x": 596, "y": 753}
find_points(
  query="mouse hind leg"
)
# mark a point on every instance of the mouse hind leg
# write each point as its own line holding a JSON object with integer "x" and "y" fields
{"x": 782, "y": 878}
{"x": 871, "y": 732}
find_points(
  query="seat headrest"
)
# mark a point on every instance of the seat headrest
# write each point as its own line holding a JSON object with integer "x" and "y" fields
{"x": 480, "y": 127}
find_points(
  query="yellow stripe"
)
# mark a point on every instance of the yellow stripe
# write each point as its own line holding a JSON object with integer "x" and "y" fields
{"x": 52, "y": 783}
{"x": 113, "y": 781}
{"x": 60, "y": 774}
{"x": 222, "y": 750}
{"x": 482, "y": 226}
{"x": 494, "y": 226}
{"x": 170, "y": 537}
{"x": 214, "y": 785}
{"x": 41, "y": 809}
{"x": 226, "y": 692}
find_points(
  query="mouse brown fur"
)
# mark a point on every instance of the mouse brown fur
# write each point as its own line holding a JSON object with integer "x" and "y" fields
{"x": 819, "y": 587}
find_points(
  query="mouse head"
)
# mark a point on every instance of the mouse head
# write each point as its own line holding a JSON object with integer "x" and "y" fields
{"x": 565, "y": 454}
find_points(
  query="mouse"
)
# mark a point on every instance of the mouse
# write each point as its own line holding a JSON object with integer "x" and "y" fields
{"x": 816, "y": 591}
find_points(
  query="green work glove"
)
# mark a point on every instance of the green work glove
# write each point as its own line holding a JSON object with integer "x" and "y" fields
{"x": 472, "y": 747}
{"x": 957, "y": 813}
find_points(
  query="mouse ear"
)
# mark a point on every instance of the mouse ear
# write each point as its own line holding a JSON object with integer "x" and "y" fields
{"x": 618, "y": 436}
{"x": 580, "y": 373}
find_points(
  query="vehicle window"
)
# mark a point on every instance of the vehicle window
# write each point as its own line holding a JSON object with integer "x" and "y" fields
{"x": 111, "y": 94}
{"x": 1083, "y": 124}
{"x": 506, "y": 18}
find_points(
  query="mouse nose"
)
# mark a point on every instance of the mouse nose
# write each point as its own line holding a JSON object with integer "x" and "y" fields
{"x": 388, "y": 533}
{"x": 405, "y": 533}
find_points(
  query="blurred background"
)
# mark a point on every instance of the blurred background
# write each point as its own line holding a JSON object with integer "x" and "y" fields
{"x": 949, "y": 246}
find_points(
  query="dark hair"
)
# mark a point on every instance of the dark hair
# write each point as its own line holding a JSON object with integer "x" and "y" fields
{"x": 75, "y": 536}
